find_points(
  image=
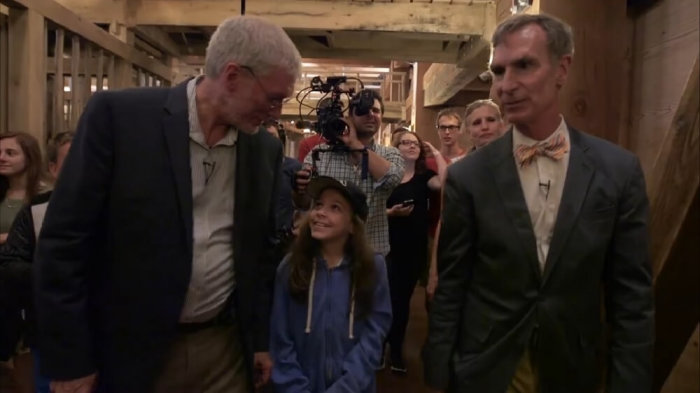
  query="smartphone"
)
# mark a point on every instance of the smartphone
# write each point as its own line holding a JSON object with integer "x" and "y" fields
{"x": 407, "y": 202}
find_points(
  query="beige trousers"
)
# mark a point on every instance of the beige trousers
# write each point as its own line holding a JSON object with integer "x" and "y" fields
{"x": 207, "y": 361}
{"x": 525, "y": 378}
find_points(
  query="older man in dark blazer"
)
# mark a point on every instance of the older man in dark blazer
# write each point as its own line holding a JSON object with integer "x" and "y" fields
{"x": 540, "y": 229}
{"x": 152, "y": 267}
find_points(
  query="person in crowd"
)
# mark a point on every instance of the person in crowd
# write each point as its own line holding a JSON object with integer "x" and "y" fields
{"x": 21, "y": 178}
{"x": 20, "y": 175}
{"x": 540, "y": 229}
{"x": 16, "y": 257}
{"x": 449, "y": 127}
{"x": 290, "y": 166}
{"x": 384, "y": 169}
{"x": 331, "y": 308}
{"x": 153, "y": 267}
{"x": 407, "y": 209}
{"x": 483, "y": 123}
{"x": 308, "y": 144}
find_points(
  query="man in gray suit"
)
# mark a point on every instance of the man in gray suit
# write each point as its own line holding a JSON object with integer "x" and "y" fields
{"x": 540, "y": 230}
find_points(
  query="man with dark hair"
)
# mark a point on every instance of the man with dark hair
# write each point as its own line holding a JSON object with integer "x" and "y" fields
{"x": 16, "y": 258}
{"x": 383, "y": 173}
{"x": 540, "y": 228}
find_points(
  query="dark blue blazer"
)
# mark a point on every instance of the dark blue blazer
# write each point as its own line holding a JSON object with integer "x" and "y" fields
{"x": 115, "y": 251}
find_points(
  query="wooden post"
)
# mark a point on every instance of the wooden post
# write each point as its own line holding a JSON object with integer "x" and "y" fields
{"x": 27, "y": 72}
{"x": 4, "y": 64}
{"x": 76, "y": 103}
{"x": 595, "y": 97}
{"x": 87, "y": 75}
{"x": 111, "y": 73}
{"x": 99, "y": 76}
{"x": 58, "y": 93}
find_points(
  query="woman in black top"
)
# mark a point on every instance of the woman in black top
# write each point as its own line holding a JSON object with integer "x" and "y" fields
{"x": 407, "y": 209}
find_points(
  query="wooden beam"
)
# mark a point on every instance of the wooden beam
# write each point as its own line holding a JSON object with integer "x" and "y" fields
{"x": 74, "y": 23}
{"x": 158, "y": 38}
{"x": 4, "y": 65}
{"x": 443, "y": 81}
{"x": 58, "y": 83}
{"x": 76, "y": 104}
{"x": 674, "y": 190}
{"x": 27, "y": 74}
{"x": 456, "y": 20}
{"x": 99, "y": 71}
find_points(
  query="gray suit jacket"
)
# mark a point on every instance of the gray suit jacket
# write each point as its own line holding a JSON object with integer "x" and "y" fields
{"x": 492, "y": 301}
{"x": 115, "y": 253}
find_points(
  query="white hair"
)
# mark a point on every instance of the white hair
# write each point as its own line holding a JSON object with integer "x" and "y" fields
{"x": 251, "y": 42}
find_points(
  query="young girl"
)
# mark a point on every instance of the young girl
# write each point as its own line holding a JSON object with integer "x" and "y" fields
{"x": 331, "y": 307}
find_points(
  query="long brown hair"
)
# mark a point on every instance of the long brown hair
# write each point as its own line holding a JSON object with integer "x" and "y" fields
{"x": 306, "y": 249}
{"x": 32, "y": 165}
{"x": 421, "y": 166}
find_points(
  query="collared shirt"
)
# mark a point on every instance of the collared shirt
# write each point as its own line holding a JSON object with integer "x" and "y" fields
{"x": 543, "y": 183}
{"x": 213, "y": 186}
{"x": 339, "y": 165}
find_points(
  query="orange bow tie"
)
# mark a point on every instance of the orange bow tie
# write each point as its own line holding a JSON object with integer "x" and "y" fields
{"x": 554, "y": 148}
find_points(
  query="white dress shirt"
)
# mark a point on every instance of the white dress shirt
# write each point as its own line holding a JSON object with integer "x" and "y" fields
{"x": 543, "y": 183}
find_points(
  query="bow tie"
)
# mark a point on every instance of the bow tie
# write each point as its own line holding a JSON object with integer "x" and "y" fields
{"x": 554, "y": 148}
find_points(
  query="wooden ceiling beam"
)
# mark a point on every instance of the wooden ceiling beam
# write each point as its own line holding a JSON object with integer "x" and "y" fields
{"x": 438, "y": 20}
{"x": 156, "y": 37}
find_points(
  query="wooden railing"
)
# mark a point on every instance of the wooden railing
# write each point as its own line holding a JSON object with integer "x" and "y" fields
{"x": 52, "y": 61}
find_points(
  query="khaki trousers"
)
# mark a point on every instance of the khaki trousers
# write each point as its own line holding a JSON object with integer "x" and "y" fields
{"x": 207, "y": 361}
{"x": 525, "y": 378}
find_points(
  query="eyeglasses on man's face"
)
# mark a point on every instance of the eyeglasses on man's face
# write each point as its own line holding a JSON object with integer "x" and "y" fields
{"x": 450, "y": 128}
{"x": 273, "y": 102}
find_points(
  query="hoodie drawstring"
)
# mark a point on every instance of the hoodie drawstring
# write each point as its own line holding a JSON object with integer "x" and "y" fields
{"x": 310, "y": 301}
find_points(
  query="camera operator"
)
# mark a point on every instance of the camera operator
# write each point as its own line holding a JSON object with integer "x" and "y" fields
{"x": 384, "y": 168}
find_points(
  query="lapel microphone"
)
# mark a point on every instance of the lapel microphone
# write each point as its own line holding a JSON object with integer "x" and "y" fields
{"x": 545, "y": 186}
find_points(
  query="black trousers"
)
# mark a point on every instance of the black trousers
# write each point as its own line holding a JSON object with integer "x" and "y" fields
{"x": 403, "y": 271}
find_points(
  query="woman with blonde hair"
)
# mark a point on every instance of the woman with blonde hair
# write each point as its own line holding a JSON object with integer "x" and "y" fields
{"x": 483, "y": 122}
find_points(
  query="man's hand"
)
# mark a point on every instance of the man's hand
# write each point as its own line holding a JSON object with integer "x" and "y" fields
{"x": 262, "y": 363}
{"x": 302, "y": 178}
{"x": 399, "y": 210}
{"x": 349, "y": 137}
{"x": 80, "y": 385}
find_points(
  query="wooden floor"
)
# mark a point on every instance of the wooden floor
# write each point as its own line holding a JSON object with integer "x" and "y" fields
{"x": 415, "y": 337}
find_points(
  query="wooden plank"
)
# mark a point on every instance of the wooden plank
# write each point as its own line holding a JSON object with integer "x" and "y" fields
{"x": 27, "y": 75}
{"x": 99, "y": 76}
{"x": 111, "y": 73}
{"x": 595, "y": 97}
{"x": 58, "y": 83}
{"x": 74, "y": 23}
{"x": 674, "y": 193}
{"x": 4, "y": 65}
{"x": 76, "y": 103}
{"x": 158, "y": 38}
{"x": 443, "y": 81}
{"x": 454, "y": 19}
{"x": 86, "y": 90}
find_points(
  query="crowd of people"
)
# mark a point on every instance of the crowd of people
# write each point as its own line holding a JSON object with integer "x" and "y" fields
{"x": 181, "y": 251}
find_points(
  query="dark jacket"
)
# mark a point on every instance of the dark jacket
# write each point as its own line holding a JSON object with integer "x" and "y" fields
{"x": 492, "y": 301}
{"x": 16, "y": 303}
{"x": 115, "y": 252}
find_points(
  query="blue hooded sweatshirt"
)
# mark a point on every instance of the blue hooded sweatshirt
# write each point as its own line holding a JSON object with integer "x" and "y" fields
{"x": 327, "y": 351}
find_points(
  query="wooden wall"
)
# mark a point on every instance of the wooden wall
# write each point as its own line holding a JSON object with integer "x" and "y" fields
{"x": 665, "y": 47}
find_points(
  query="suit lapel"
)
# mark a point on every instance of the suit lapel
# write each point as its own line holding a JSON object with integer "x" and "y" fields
{"x": 245, "y": 147}
{"x": 578, "y": 178}
{"x": 511, "y": 193}
{"x": 176, "y": 132}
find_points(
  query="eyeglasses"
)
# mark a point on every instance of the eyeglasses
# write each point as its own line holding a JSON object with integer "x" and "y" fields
{"x": 408, "y": 142}
{"x": 275, "y": 103}
{"x": 448, "y": 128}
